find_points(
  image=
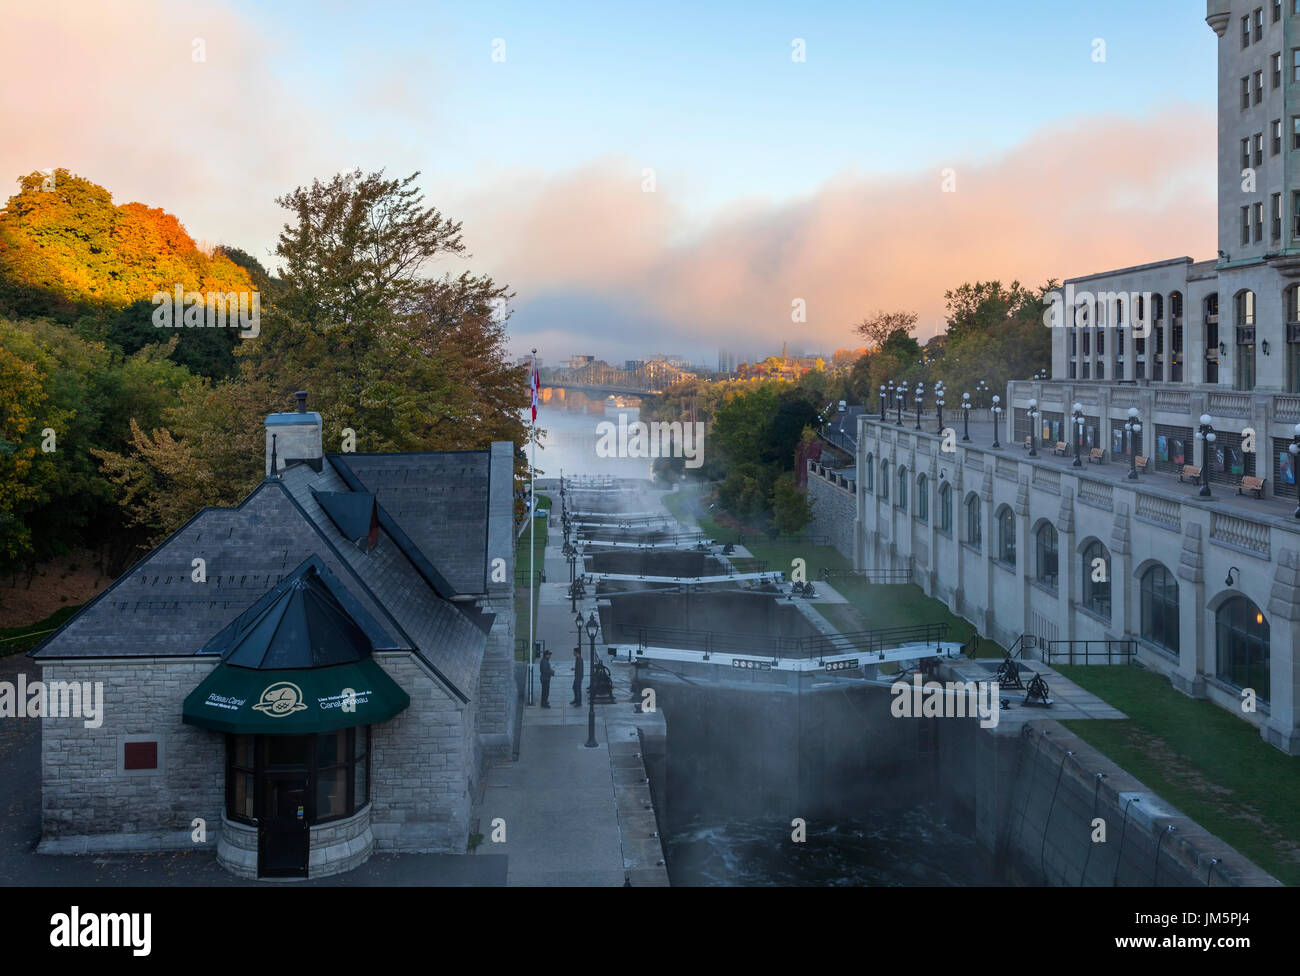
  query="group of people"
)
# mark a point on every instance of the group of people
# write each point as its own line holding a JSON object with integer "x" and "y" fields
{"x": 548, "y": 672}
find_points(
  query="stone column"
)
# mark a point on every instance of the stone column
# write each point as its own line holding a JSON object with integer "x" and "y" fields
{"x": 1066, "y": 562}
{"x": 1195, "y": 652}
{"x": 1122, "y": 617}
{"x": 1282, "y": 729}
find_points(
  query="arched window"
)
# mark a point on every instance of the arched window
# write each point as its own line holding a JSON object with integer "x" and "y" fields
{"x": 1291, "y": 303}
{"x": 1156, "y": 347}
{"x": 1096, "y": 578}
{"x": 923, "y": 498}
{"x": 901, "y": 500}
{"x": 1006, "y": 535}
{"x": 1160, "y": 608}
{"x": 871, "y": 473}
{"x": 884, "y": 479}
{"x": 1242, "y": 641}
{"x": 1211, "y": 313}
{"x": 945, "y": 508}
{"x": 974, "y": 531}
{"x": 1243, "y": 374}
{"x": 1045, "y": 543}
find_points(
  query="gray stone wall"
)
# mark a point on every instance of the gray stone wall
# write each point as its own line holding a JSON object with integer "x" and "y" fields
{"x": 497, "y": 691}
{"x": 87, "y": 805}
{"x": 833, "y": 513}
{"x": 423, "y": 766}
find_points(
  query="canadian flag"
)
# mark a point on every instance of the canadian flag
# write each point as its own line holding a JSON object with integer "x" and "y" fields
{"x": 535, "y": 384}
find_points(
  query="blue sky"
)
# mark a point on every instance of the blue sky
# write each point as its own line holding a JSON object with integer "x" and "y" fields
{"x": 707, "y": 94}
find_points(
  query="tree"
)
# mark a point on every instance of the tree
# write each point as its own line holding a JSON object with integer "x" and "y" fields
{"x": 357, "y": 246}
{"x": 877, "y": 327}
{"x": 791, "y": 508}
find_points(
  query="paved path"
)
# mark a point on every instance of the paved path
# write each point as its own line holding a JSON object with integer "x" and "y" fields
{"x": 574, "y": 815}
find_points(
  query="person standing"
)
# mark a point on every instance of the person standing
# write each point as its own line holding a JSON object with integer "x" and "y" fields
{"x": 577, "y": 678}
{"x": 547, "y": 673}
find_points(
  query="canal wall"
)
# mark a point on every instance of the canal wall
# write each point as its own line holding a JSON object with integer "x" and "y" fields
{"x": 834, "y": 506}
{"x": 1043, "y": 806}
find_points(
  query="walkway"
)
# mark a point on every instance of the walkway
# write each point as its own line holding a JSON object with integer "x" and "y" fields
{"x": 573, "y": 815}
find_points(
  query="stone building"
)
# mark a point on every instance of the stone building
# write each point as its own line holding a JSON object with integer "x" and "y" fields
{"x": 320, "y": 672}
{"x": 1193, "y": 367}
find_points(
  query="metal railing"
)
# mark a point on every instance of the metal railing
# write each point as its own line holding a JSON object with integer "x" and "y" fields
{"x": 882, "y": 576}
{"x": 1088, "y": 651}
{"x": 795, "y": 648}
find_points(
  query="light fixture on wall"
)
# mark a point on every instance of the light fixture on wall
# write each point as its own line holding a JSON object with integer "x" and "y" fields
{"x": 1265, "y": 346}
{"x": 1223, "y": 349}
{"x": 1231, "y": 570}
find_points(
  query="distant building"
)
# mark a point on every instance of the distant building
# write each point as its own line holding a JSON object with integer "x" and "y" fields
{"x": 632, "y": 364}
{"x": 577, "y": 362}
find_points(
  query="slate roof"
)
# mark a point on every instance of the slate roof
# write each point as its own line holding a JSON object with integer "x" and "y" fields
{"x": 156, "y": 609}
{"x": 439, "y": 500}
{"x": 309, "y": 620}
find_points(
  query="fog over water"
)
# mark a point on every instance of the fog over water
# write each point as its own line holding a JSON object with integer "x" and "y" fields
{"x": 569, "y": 444}
{"x": 704, "y": 846}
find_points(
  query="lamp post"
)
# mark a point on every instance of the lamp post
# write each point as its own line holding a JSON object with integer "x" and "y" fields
{"x": 883, "y": 401}
{"x": 965, "y": 410}
{"x": 938, "y": 402}
{"x": 920, "y": 392}
{"x": 1206, "y": 435}
{"x": 592, "y": 628}
{"x": 997, "y": 412}
{"x": 1033, "y": 414}
{"x": 981, "y": 387}
{"x": 1076, "y": 421}
{"x": 1294, "y": 449}
{"x": 900, "y": 394}
{"x": 1134, "y": 427}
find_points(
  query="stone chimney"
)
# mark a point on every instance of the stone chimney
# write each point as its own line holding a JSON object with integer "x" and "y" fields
{"x": 297, "y": 437}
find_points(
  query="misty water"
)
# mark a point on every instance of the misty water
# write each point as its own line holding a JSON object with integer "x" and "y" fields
{"x": 916, "y": 846}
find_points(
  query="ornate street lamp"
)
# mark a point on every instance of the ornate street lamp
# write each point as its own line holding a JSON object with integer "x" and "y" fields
{"x": 1206, "y": 435}
{"x": 965, "y": 409}
{"x": 1134, "y": 427}
{"x": 1294, "y": 449}
{"x": 938, "y": 393}
{"x": 981, "y": 387}
{"x": 997, "y": 412}
{"x": 883, "y": 402}
{"x": 1034, "y": 414}
{"x": 900, "y": 394}
{"x": 593, "y": 627}
{"x": 920, "y": 392}
{"x": 1076, "y": 421}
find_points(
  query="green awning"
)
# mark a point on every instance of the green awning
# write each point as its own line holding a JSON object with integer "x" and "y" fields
{"x": 294, "y": 701}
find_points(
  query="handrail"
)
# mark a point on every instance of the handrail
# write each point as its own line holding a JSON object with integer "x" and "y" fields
{"x": 1123, "y": 649}
{"x": 801, "y": 648}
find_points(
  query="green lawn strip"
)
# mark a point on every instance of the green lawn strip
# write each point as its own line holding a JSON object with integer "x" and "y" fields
{"x": 521, "y": 575}
{"x": 1205, "y": 761}
{"x": 20, "y": 640}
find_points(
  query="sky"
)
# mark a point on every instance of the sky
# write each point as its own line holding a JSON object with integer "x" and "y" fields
{"x": 665, "y": 178}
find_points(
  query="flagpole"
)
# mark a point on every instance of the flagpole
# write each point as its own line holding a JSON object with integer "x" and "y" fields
{"x": 532, "y": 526}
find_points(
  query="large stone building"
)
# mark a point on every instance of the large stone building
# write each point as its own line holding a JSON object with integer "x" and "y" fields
{"x": 1205, "y": 357}
{"x": 317, "y": 673}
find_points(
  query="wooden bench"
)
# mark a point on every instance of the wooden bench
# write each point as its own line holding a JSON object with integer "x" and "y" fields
{"x": 1061, "y": 449}
{"x": 1248, "y": 483}
{"x": 1097, "y": 454}
{"x": 1140, "y": 463}
{"x": 1191, "y": 472}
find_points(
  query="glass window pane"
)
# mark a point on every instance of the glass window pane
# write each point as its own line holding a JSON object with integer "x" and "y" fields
{"x": 287, "y": 750}
{"x": 361, "y": 777}
{"x": 331, "y": 747}
{"x": 331, "y": 792}
{"x": 241, "y": 800}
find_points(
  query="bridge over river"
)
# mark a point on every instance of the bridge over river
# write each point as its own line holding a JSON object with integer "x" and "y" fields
{"x": 649, "y": 379}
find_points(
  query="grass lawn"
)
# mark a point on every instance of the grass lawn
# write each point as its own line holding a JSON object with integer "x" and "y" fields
{"x": 1211, "y": 765}
{"x": 20, "y": 640}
